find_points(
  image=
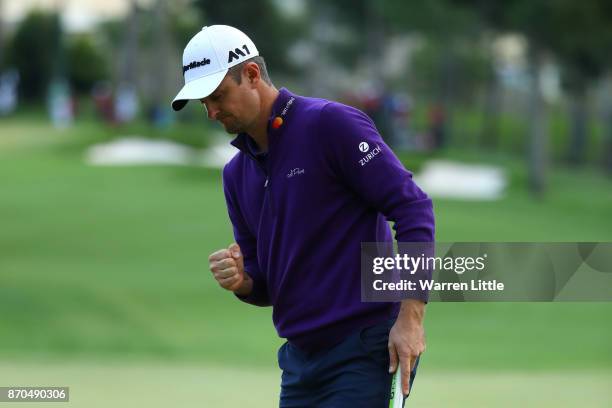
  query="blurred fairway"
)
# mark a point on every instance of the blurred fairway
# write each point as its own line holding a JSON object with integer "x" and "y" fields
{"x": 106, "y": 268}
{"x": 96, "y": 385}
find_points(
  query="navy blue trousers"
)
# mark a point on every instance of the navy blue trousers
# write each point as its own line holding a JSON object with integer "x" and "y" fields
{"x": 354, "y": 373}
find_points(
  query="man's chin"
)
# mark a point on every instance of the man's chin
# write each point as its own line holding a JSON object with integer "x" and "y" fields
{"x": 232, "y": 130}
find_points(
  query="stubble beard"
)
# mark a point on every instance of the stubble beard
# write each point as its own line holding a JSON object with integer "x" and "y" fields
{"x": 234, "y": 126}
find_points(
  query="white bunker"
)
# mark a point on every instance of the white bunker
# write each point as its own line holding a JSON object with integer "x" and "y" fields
{"x": 136, "y": 150}
{"x": 455, "y": 180}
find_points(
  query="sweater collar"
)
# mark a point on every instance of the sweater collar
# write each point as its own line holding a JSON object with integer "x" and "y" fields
{"x": 280, "y": 113}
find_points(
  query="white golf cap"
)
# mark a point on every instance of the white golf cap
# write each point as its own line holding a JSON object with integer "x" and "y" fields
{"x": 207, "y": 58}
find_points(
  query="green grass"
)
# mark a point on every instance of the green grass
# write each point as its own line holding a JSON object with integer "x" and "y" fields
{"x": 153, "y": 385}
{"x": 576, "y": 207}
{"x": 100, "y": 263}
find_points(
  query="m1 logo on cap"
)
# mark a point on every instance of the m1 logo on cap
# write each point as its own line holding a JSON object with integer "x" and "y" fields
{"x": 232, "y": 55}
{"x": 364, "y": 147}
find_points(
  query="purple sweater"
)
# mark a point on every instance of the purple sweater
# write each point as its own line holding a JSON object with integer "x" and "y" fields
{"x": 300, "y": 212}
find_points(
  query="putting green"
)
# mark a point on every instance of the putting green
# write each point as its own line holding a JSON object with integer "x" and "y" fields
{"x": 114, "y": 384}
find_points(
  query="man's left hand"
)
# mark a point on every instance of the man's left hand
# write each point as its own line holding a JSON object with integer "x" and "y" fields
{"x": 407, "y": 340}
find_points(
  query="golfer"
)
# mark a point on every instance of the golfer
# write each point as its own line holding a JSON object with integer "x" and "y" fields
{"x": 312, "y": 180}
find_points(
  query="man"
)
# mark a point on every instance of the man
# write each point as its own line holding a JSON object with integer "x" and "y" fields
{"x": 311, "y": 181}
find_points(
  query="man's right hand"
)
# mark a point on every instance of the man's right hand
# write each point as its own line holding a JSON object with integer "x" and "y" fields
{"x": 227, "y": 266}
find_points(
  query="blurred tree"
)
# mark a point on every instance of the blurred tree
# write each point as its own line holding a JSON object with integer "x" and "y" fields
{"x": 578, "y": 34}
{"x": 129, "y": 46}
{"x": 126, "y": 104}
{"x": 492, "y": 105}
{"x": 144, "y": 49}
{"x": 261, "y": 20}
{"x": 184, "y": 21}
{"x": 33, "y": 52}
{"x": 531, "y": 19}
{"x": 159, "y": 107}
{"x": 607, "y": 151}
{"x": 450, "y": 65}
{"x": 86, "y": 64}
{"x": 359, "y": 28}
{"x": 1, "y": 35}
{"x": 345, "y": 35}
{"x": 452, "y": 33}
{"x": 472, "y": 69}
{"x": 584, "y": 55}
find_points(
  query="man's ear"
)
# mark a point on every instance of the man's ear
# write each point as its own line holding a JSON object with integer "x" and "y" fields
{"x": 252, "y": 72}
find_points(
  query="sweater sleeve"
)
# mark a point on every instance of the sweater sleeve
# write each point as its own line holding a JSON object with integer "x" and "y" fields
{"x": 361, "y": 159}
{"x": 248, "y": 247}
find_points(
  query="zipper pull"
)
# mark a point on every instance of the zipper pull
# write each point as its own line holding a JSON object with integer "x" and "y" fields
{"x": 266, "y": 183}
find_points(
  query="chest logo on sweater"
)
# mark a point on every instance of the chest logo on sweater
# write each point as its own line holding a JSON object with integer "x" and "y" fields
{"x": 373, "y": 153}
{"x": 295, "y": 172}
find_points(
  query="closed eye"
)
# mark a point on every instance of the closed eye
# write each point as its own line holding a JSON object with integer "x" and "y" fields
{"x": 215, "y": 97}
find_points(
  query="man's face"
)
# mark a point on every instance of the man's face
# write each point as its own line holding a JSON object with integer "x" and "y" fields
{"x": 235, "y": 106}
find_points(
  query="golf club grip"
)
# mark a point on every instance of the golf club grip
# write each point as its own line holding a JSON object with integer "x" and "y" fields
{"x": 396, "y": 400}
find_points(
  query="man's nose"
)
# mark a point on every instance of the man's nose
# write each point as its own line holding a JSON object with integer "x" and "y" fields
{"x": 211, "y": 110}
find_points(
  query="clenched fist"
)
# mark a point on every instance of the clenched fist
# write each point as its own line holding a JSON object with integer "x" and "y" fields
{"x": 227, "y": 266}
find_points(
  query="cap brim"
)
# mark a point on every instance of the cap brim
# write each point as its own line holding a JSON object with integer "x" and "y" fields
{"x": 198, "y": 89}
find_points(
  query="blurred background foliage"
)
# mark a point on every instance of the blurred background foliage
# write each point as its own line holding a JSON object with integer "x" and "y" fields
{"x": 446, "y": 54}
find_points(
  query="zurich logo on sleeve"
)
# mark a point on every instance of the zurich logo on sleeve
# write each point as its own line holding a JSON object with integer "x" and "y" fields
{"x": 371, "y": 154}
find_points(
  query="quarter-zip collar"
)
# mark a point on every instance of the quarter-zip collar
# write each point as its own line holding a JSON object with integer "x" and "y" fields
{"x": 277, "y": 122}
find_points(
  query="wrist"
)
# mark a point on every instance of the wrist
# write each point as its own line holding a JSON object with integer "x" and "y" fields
{"x": 412, "y": 311}
{"x": 245, "y": 288}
